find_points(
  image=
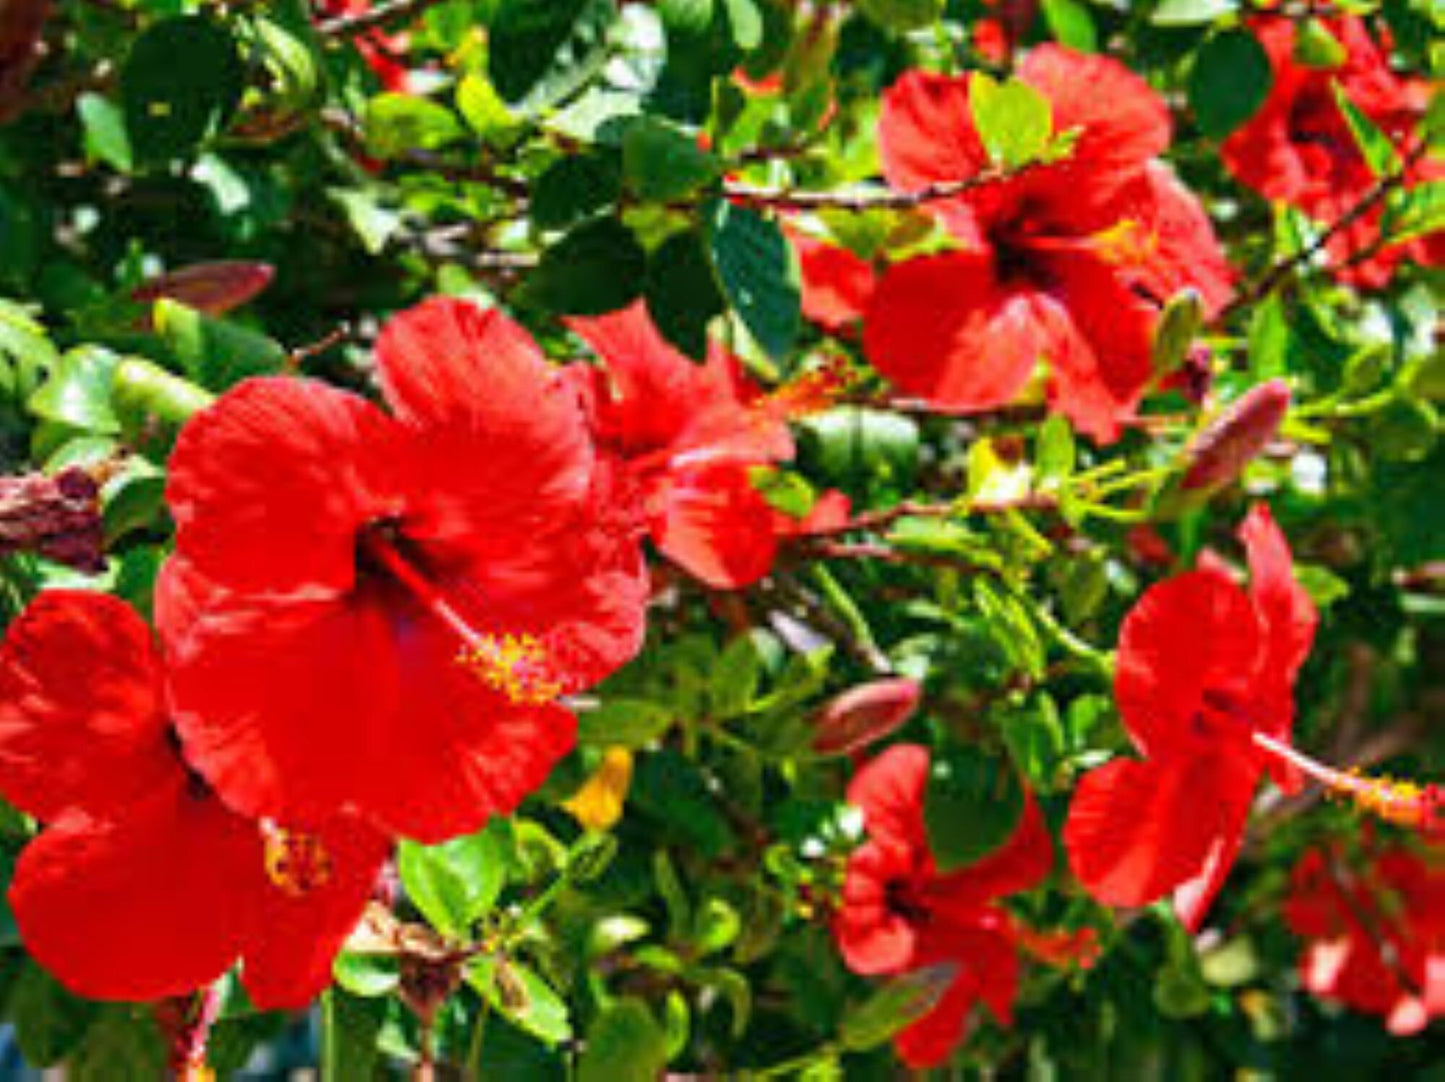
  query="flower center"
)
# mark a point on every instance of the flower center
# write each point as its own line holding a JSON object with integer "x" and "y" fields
{"x": 902, "y": 901}
{"x": 296, "y": 863}
{"x": 515, "y": 665}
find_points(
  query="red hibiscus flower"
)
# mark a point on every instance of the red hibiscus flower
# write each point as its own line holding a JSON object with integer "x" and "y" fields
{"x": 837, "y": 284}
{"x": 385, "y": 607}
{"x": 900, "y": 913}
{"x": 143, "y": 883}
{"x": 690, "y": 435}
{"x": 1206, "y": 669}
{"x": 1376, "y": 938}
{"x": 1067, "y": 263}
{"x": 384, "y": 53}
{"x": 1298, "y": 148}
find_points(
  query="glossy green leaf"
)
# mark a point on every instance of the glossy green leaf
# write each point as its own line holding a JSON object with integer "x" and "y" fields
{"x": 596, "y": 268}
{"x": 759, "y": 274}
{"x": 1228, "y": 81}
{"x": 624, "y": 1043}
{"x": 180, "y": 84}
{"x": 1012, "y": 118}
{"x": 971, "y": 806}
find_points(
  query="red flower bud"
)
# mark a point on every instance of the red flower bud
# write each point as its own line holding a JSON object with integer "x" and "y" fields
{"x": 1237, "y": 435}
{"x": 213, "y": 288}
{"x": 864, "y": 714}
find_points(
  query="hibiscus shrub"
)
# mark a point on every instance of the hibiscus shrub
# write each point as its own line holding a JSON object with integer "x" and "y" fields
{"x": 762, "y": 538}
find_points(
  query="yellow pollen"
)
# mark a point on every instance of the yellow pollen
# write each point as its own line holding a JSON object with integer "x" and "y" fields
{"x": 515, "y": 665}
{"x": 1125, "y": 244}
{"x": 1403, "y": 803}
{"x": 296, "y": 863}
{"x": 809, "y": 392}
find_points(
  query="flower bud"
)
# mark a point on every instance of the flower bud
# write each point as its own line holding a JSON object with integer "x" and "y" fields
{"x": 212, "y": 288}
{"x": 1236, "y": 436}
{"x": 864, "y": 714}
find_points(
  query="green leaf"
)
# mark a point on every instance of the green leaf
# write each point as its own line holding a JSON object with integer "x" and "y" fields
{"x": 624, "y": 1044}
{"x": 1071, "y": 24}
{"x": 144, "y": 394}
{"x": 716, "y": 926}
{"x": 758, "y": 272}
{"x": 596, "y": 268}
{"x": 366, "y": 975}
{"x": 123, "y": 1045}
{"x": 454, "y": 883}
{"x": 853, "y": 445}
{"x": 682, "y": 292}
{"x": 575, "y": 188}
{"x": 397, "y": 123}
{"x": 541, "y": 51}
{"x": 350, "y": 1028}
{"x": 1414, "y": 212}
{"x": 106, "y": 138}
{"x": 1379, "y": 153}
{"x": 1191, "y": 12}
{"x": 486, "y": 113}
{"x": 735, "y": 678}
{"x": 374, "y": 224}
{"x": 972, "y": 804}
{"x": 1014, "y": 120}
{"x": 78, "y": 391}
{"x": 522, "y": 997}
{"x": 49, "y": 1022}
{"x": 899, "y": 1003}
{"x": 901, "y": 16}
{"x": 215, "y": 352}
{"x": 628, "y": 723}
{"x": 1316, "y": 47}
{"x": 661, "y": 163}
{"x": 1228, "y": 82}
{"x": 180, "y": 84}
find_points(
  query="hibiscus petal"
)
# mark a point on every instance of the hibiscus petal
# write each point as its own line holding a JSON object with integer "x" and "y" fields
{"x": 283, "y": 703}
{"x": 1288, "y": 613}
{"x": 147, "y": 906}
{"x": 1121, "y": 120}
{"x": 1189, "y": 634}
{"x": 1136, "y": 830}
{"x": 365, "y": 705}
{"x": 926, "y": 133}
{"x": 292, "y": 943}
{"x": 500, "y": 443}
{"x": 988, "y": 971}
{"x": 716, "y": 525}
{"x": 889, "y": 792}
{"x": 940, "y": 327}
{"x": 871, "y": 937}
{"x": 1193, "y": 898}
{"x": 270, "y": 485}
{"x": 836, "y": 283}
{"x": 81, "y": 720}
{"x": 1099, "y": 335}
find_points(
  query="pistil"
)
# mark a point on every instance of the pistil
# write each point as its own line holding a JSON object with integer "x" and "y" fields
{"x": 1400, "y": 802}
{"x": 516, "y": 665}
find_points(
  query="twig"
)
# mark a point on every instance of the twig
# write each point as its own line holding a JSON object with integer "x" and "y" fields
{"x": 382, "y": 15}
{"x": 787, "y": 199}
{"x": 1285, "y": 268}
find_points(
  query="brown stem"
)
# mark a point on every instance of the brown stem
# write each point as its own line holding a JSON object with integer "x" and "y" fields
{"x": 1282, "y": 270}
{"x": 788, "y": 199}
{"x": 376, "y": 17}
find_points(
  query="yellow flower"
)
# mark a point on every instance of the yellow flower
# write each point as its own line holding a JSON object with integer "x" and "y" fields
{"x": 598, "y": 804}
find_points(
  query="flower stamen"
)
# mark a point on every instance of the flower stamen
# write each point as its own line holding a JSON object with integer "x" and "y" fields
{"x": 296, "y": 863}
{"x": 1403, "y": 803}
{"x": 516, "y": 665}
